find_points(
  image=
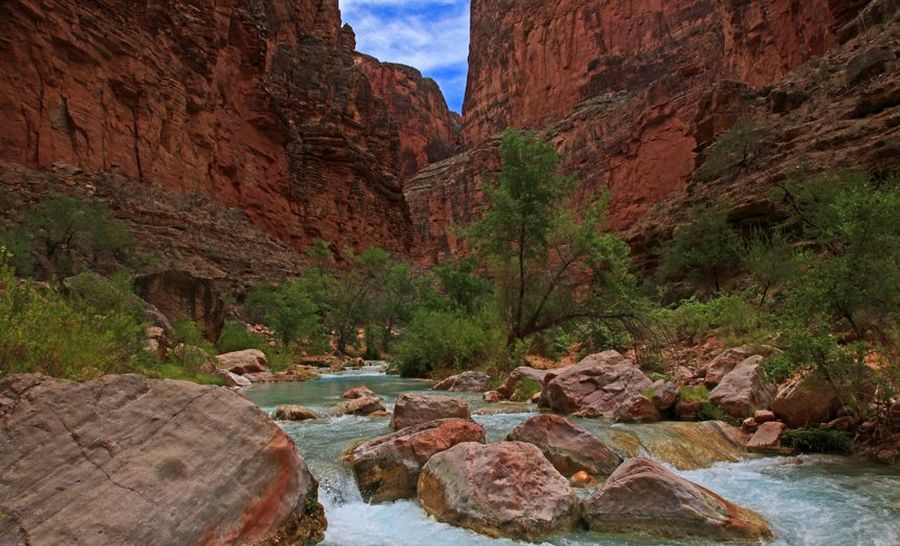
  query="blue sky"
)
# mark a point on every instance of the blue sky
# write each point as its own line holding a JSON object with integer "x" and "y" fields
{"x": 431, "y": 35}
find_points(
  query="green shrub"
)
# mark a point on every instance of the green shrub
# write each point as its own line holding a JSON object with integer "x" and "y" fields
{"x": 711, "y": 412}
{"x": 440, "y": 340}
{"x": 17, "y": 243}
{"x": 173, "y": 370}
{"x": 692, "y": 318}
{"x": 816, "y": 440}
{"x": 42, "y": 331}
{"x": 236, "y": 337}
{"x": 525, "y": 390}
{"x": 694, "y": 394}
{"x": 731, "y": 153}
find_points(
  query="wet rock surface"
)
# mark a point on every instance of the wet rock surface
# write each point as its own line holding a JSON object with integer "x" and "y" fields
{"x": 567, "y": 445}
{"x": 387, "y": 468}
{"x": 643, "y": 498}
{"x": 412, "y": 409}
{"x": 507, "y": 489}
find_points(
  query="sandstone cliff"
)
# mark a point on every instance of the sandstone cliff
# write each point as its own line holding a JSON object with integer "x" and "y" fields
{"x": 429, "y": 131}
{"x": 255, "y": 103}
{"x": 632, "y": 92}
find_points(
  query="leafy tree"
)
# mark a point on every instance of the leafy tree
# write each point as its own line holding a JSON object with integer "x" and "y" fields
{"x": 550, "y": 266}
{"x": 18, "y": 245}
{"x": 703, "y": 249}
{"x": 732, "y": 152}
{"x": 70, "y": 232}
{"x": 856, "y": 276}
{"x": 770, "y": 260}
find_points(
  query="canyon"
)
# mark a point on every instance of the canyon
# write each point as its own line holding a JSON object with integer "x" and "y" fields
{"x": 266, "y": 109}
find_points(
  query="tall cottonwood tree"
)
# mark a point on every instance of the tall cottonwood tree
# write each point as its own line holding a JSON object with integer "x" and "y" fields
{"x": 550, "y": 261}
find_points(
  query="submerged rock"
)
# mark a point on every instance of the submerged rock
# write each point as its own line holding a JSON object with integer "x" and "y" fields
{"x": 147, "y": 462}
{"x": 643, "y": 498}
{"x": 412, "y": 409}
{"x": 387, "y": 468}
{"x": 568, "y": 446}
{"x": 465, "y": 382}
{"x": 292, "y": 412}
{"x": 595, "y": 387}
{"x": 744, "y": 389}
{"x": 507, "y": 489}
{"x": 364, "y": 405}
{"x": 357, "y": 392}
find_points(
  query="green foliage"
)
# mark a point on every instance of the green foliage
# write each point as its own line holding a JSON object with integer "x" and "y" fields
{"x": 442, "y": 340}
{"x": 461, "y": 287}
{"x": 43, "y": 331}
{"x": 711, "y": 412}
{"x": 732, "y": 152}
{"x": 235, "y": 337}
{"x": 542, "y": 255}
{"x": 289, "y": 310}
{"x": 694, "y": 394}
{"x": 71, "y": 234}
{"x": 856, "y": 277}
{"x": 525, "y": 390}
{"x": 816, "y": 440}
{"x": 770, "y": 260}
{"x": 703, "y": 250}
{"x": 694, "y": 319}
{"x": 18, "y": 245}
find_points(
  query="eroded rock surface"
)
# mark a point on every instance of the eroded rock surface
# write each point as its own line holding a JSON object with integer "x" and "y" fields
{"x": 387, "y": 468}
{"x": 465, "y": 382}
{"x": 595, "y": 387}
{"x": 567, "y": 445}
{"x": 507, "y": 489}
{"x": 643, "y": 498}
{"x": 412, "y": 409}
{"x": 744, "y": 389}
{"x": 129, "y": 460}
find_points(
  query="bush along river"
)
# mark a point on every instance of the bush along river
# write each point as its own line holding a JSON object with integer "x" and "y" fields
{"x": 806, "y": 500}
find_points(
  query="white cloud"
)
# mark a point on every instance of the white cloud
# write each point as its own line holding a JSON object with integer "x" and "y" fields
{"x": 416, "y": 39}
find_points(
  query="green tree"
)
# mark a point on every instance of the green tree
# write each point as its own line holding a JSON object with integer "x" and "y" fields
{"x": 703, "y": 250}
{"x": 70, "y": 233}
{"x": 550, "y": 266}
{"x": 731, "y": 153}
{"x": 770, "y": 259}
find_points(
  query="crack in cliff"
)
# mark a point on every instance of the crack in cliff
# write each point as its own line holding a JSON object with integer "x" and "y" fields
{"x": 136, "y": 135}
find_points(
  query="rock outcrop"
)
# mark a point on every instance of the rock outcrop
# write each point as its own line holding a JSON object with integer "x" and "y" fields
{"x": 429, "y": 131}
{"x": 364, "y": 405}
{"x": 182, "y": 296}
{"x": 387, "y": 468}
{"x": 595, "y": 387}
{"x": 243, "y": 362}
{"x": 644, "y": 498}
{"x": 806, "y": 400}
{"x": 633, "y": 93}
{"x": 744, "y": 389}
{"x": 507, "y": 489}
{"x": 568, "y": 447}
{"x": 293, "y": 412}
{"x": 465, "y": 382}
{"x": 412, "y": 409}
{"x": 129, "y": 460}
{"x": 256, "y": 104}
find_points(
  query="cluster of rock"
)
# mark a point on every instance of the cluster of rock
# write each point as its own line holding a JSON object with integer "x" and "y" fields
{"x": 243, "y": 368}
{"x": 128, "y": 460}
{"x": 523, "y": 487}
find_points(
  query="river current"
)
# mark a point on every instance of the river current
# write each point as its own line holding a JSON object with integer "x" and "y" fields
{"x": 808, "y": 500}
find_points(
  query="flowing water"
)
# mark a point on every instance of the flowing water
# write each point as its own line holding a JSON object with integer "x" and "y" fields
{"x": 808, "y": 500}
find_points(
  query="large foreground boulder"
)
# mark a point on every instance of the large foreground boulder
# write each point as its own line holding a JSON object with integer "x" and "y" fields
{"x": 465, "y": 382}
{"x": 506, "y": 489}
{"x": 129, "y": 460}
{"x": 744, "y": 389}
{"x": 643, "y": 498}
{"x": 387, "y": 468}
{"x": 568, "y": 446}
{"x": 412, "y": 409}
{"x": 595, "y": 387}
